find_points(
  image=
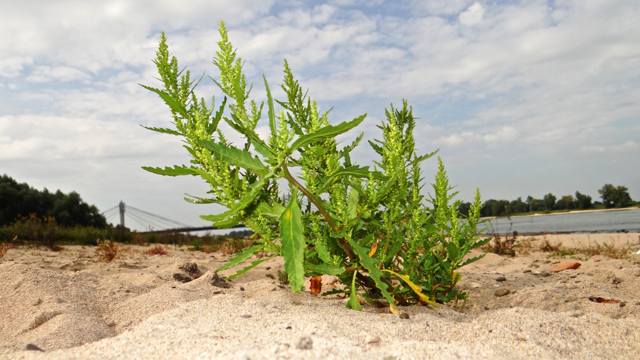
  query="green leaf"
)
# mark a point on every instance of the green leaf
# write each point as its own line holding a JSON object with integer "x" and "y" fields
{"x": 472, "y": 260}
{"x": 452, "y": 250}
{"x": 260, "y": 145}
{"x": 293, "y": 244}
{"x": 334, "y": 291}
{"x": 234, "y": 156}
{"x": 325, "y": 132}
{"x": 352, "y": 203}
{"x": 357, "y": 171}
{"x": 173, "y": 104}
{"x": 423, "y": 157}
{"x": 480, "y": 243}
{"x": 274, "y": 211}
{"x": 247, "y": 268}
{"x": 272, "y": 114}
{"x": 163, "y": 130}
{"x": 370, "y": 263}
{"x": 338, "y": 235}
{"x": 328, "y": 269}
{"x": 241, "y": 257}
{"x": 323, "y": 253}
{"x": 175, "y": 171}
{"x": 353, "y": 302}
{"x": 216, "y": 119}
{"x": 198, "y": 200}
{"x": 246, "y": 200}
{"x": 228, "y": 223}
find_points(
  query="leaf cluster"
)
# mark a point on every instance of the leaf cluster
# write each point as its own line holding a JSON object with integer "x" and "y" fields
{"x": 371, "y": 228}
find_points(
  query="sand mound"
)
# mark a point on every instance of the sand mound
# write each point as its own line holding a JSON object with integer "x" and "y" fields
{"x": 72, "y": 306}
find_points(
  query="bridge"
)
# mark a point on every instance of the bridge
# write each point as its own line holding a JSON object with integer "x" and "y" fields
{"x": 155, "y": 223}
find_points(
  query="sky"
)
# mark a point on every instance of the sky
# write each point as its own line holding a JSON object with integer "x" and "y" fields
{"x": 522, "y": 98}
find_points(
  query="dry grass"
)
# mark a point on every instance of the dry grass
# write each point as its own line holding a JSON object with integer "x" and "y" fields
{"x": 158, "y": 250}
{"x": 500, "y": 246}
{"x": 108, "y": 251}
{"x": 606, "y": 250}
{"x": 546, "y": 245}
{"x": 4, "y": 247}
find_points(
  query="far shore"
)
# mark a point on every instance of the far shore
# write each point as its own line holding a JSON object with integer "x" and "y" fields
{"x": 634, "y": 207}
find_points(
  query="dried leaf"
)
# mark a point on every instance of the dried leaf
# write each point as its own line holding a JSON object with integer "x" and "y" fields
{"x": 316, "y": 285}
{"x": 393, "y": 310}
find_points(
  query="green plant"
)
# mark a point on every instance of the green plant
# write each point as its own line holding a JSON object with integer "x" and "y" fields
{"x": 371, "y": 229}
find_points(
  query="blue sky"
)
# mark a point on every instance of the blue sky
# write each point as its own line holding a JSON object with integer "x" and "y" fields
{"x": 521, "y": 97}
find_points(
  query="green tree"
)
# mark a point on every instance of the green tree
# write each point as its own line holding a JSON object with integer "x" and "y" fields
{"x": 565, "y": 203}
{"x": 614, "y": 196}
{"x": 583, "y": 201}
{"x": 19, "y": 199}
{"x": 549, "y": 201}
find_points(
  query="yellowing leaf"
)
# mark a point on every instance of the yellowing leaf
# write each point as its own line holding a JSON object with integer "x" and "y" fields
{"x": 414, "y": 287}
{"x": 393, "y": 310}
{"x": 374, "y": 247}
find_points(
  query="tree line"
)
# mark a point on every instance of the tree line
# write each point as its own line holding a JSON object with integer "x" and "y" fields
{"x": 20, "y": 200}
{"x": 612, "y": 197}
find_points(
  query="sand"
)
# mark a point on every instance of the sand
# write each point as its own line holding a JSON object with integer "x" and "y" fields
{"x": 74, "y": 307}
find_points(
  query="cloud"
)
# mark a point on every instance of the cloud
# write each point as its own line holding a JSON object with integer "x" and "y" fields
{"x": 62, "y": 73}
{"x": 472, "y": 16}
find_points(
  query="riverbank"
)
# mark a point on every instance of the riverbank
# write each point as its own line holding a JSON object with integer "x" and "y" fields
{"x": 563, "y": 212}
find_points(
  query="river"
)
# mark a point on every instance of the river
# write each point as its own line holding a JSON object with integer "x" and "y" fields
{"x": 594, "y": 221}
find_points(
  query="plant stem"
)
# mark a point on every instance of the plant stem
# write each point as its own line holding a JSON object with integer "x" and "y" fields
{"x": 321, "y": 208}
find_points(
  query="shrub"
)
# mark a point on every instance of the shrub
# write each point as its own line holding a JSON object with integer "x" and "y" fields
{"x": 158, "y": 250}
{"x": 364, "y": 226}
{"x": 108, "y": 251}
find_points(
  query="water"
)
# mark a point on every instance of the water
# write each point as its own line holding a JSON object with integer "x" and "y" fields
{"x": 597, "y": 221}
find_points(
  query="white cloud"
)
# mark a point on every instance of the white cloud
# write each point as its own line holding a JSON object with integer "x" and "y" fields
{"x": 62, "y": 73}
{"x": 506, "y": 134}
{"x": 546, "y": 80}
{"x": 472, "y": 16}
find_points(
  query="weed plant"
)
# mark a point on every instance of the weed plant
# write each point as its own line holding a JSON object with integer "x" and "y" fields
{"x": 108, "y": 251}
{"x": 369, "y": 228}
{"x": 502, "y": 246}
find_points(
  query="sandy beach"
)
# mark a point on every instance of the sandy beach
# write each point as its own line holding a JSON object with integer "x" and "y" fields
{"x": 72, "y": 306}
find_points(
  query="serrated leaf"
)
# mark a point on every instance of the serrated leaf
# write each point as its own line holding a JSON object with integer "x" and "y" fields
{"x": 274, "y": 211}
{"x": 452, "y": 250}
{"x": 338, "y": 235}
{"x": 293, "y": 244}
{"x": 472, "y": 260}
{"x": 199, "y": 200}
{"x": 353, "y": 302}
{"x": 245, "y": 269}
{"x": 163, "y": 130}
{"x": 175, "y": 171}
{"x": 323, "y": 253}
{"x": 233, "y": 156}
{"x": 414, "y": 287}
{"x": 173, "y": 104}
{"x": 423, "y": 157}
{"x": 370, "y": 264}
{"x": 328, "y": 269}
{"x": 334, "y": 291}
{"x": 259, "y": 145}
{"x": 241, "y": 257}
{"x": 272, "y": 114}
{"x": 352, "y": 203}
{"x": 228, "y": 223}
{"x": 357, "y": 171}
{"x": 217, "y": 117}
{"x": 246, "y": 200}
{"x": 326, "y": 132}
{"x": 480, "y": 243}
